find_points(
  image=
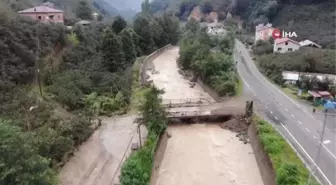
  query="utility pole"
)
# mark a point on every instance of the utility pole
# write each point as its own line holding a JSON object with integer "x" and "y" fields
{"x": 319, "y": 147}
{"x": 139, "y": 130}
{"x": 37, "y": 59}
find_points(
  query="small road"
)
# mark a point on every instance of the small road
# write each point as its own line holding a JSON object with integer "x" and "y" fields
{"x": 291, "y": 118}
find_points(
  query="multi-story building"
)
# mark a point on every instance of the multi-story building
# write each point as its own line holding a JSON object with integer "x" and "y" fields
{"x": 45, "y": 13}
{"x": 263, "y": 32}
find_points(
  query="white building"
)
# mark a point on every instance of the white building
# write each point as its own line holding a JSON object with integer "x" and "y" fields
{"x": 308, "y": 43}
{"x": 285, "y": 45}
{"x": 263, "y": 32}
{"x": 293, "y": 76}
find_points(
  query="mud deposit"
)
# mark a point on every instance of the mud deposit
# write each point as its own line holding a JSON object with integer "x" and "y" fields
{"x": 200, "y": 154}
{"x": 206, "y": 154}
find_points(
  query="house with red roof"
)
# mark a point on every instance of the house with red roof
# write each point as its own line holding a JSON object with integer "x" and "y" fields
{"x": 45, "y": 13}
{"x": 263, "y": 32}
{"x": 284, "y": 45}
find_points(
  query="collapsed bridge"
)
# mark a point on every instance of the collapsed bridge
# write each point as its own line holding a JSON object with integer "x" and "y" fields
{"x": 201, "y": 109}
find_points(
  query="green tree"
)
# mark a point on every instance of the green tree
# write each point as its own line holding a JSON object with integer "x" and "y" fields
{"x": 84, "y": 11}
{"x": 160, "y": 37}
{"x": 142, "y": 28}
{"x": 128, "y": 43}
{"x": 20, "y": 163}
{"x": 111, "y": 47}
{"x": 152, "y": 111}
{"x": 118, "y": 24}
{"x": 170, "y": 25}
{"x": 192, "y": 25}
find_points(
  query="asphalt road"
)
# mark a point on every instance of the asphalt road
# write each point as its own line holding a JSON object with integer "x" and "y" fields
{"x": 294, "y": 120}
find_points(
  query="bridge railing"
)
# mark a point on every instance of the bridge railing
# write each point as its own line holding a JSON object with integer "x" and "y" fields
{"x": 186, "y": 101}
{"x": 188, "y": 113}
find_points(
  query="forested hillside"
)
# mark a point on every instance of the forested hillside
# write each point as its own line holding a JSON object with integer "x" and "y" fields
{"x": 83, "y": 73}
{"x": 310, "y": 19}
{"x": 103, "y": 7}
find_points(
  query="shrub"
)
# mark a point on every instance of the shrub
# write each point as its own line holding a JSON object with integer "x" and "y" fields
{"x": 20, "y": 161}
{"x": 289, "y": 168}
{"x": 271, "y": 143}
{"x": 288, "y": 174}
{"x": 262, "y": 47}
{"x": 138, "y": 167}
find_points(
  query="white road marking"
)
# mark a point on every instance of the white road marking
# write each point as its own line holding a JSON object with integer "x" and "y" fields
{"x": 329, "y": 151}
{"x": 315, "y": 137}
{"x": 271, "y": 112}
{"x": 248, "y": 56}
{"x": 245, "y": 83}
{"x": 300, "y": 122}
{"x": 307, "y": 129}
{"x": 276, "y": 118}
{"x": 318, "y": 168}
{"x": 286, "y": 110}
{"x": 293, "y": 115}
{"x": 326, "y": 141}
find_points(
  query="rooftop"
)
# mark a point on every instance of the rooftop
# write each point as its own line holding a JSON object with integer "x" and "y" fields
{"x": 309, "y": 43}
{"x": 262, "y": 26}
{"x": 41, "y": 9}
{"x": 285, "y": 39}
{"x": 83, "y": 22}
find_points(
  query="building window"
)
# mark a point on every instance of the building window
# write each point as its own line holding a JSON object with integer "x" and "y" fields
{"x": 286, "y": 43}
{"x": 39, "y": 17}
{"x": 51, "y": 17}
{"x": 279, "y": 49}
{"x": 290, "y": 49}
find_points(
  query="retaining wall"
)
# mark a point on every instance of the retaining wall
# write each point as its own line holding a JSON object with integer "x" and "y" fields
{"x": 264, "y": 163}
{"x": 158, "y": 156}
{"x": 146, "y": 64}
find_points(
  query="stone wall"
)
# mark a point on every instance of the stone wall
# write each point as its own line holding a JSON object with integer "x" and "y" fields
{"x": 146, "y": 64}
{"x": 159, "y": 154}
{"x": 264, "y": 163}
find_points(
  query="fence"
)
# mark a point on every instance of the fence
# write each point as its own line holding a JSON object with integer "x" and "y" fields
{"x": 148, "y": 59}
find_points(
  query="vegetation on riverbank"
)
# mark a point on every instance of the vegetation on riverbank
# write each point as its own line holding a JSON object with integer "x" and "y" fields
{"x": 137, "y": 168}
{"x": 83, "y": 73}
{"x": 288, "y": 167}
{"x": 309, "y": 60}
{"x": 210, "y": 58}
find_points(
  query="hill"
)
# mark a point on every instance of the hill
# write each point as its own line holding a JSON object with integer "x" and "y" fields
{"x": 310, "y": 19}
{"x": 102, "y": 7}
{"x": 315, "y": 22}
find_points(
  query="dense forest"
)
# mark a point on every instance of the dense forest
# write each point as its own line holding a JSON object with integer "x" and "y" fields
{"x": 310, "y": 19}
{"x": 54, "y": 82}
